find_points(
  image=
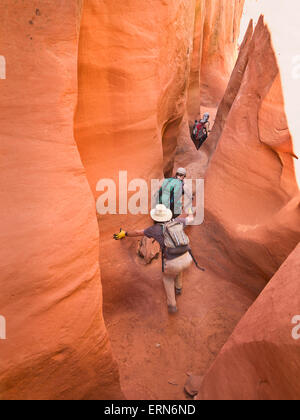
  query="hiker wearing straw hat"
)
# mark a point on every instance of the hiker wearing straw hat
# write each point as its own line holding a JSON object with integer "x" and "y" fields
{"x": 174, "y": 243}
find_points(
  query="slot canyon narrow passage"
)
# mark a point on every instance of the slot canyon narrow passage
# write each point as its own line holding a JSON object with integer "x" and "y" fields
{"x": 155, "y": 353}
{"x": 101, "y": 101}
{"x": 142, "y": 125}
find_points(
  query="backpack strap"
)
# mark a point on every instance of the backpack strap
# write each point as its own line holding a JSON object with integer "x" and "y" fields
{"x": 195, "y": 261}
{"x": 163, "y": 251}
{"x": 166, "y": 229}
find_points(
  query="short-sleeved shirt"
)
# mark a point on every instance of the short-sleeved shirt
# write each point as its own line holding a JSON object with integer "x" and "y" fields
{"x": 171, "y": 194}
{"x": 156, "y": 232}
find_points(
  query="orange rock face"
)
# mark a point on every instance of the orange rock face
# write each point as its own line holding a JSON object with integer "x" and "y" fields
{"x": 119, "y": 129}
{"x": 162, "y": 45}
{"x": 251, "y": 225}
{"x": 261, "y": 359}
{"x": 194, "y": 98}
{"x": 57, "y": 345}
{"x": 220, "y": 36}
{"x": 230, "y": 95}
{"x": 250, "y": 184}
{"x": 140, "y": 61}
{"x": 216, "y": 33}
{"x": 139, "y": 75}
{"x": 133, "y": 72}
{"x": 140, "y": 67}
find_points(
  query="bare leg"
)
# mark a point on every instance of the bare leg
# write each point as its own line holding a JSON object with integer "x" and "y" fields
{"x": 170, "y": 290}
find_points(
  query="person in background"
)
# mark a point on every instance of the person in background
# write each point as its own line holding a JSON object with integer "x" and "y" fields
{"x": 172, "y": 192}
{"x": 201, "y": 130}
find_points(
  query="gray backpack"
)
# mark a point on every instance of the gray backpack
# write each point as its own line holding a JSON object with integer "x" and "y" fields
{"x": 174, "y": 235}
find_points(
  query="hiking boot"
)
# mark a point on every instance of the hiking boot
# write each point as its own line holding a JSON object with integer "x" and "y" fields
{"x": 172, "y": 309}
{"x": 178, "y": 292}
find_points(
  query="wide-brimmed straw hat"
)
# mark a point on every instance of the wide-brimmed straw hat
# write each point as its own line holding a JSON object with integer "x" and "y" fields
{"x": 161, "y": 213}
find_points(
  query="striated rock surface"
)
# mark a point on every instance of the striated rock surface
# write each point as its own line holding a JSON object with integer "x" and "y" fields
{"x": 216, "y": 33}
{"x": 137, "y": 56}
{"x": 220, "y": 36}
{"x": 134, "y": 67}
{"x": 251, "y": 193}
{"x": 251, "y": 220}
{"x": 194, "y": 98}
{"x": 251, "y": 188}
{"x": 57, "y": 345}
{"x": 144, "y": 73}
{"x": 148, "y": 70}
{"x": 251, "y": 203}
{"x": 261, "y": 359}
{"x": 230, "y": 95}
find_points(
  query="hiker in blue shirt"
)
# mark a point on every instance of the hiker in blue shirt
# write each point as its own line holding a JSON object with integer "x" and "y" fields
{"x": 172, "y": 191}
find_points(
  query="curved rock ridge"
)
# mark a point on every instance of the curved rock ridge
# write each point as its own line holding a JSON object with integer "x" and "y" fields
{"x": 230, "y": 95}
{"x": 136, "y": 55}
{"x": 220, "y": 37}
{"x": 251, "y": 187}
{"x": 140, "y": 59}
{"x": 138, "y": 76}
{"x": 57, "y": 345}
{"x": 148, "y": 64}
{"x": 286, "y": 47}
{"x": 260, "y": 361}
{"x": 252, "y": 210}
{"x": 216, "y": 34}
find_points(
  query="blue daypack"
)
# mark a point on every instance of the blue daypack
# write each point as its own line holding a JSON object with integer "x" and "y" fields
{"x": 170, "y": 194}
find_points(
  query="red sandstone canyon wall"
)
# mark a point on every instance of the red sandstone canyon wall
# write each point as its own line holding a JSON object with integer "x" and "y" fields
{"x": 216, "y": 33}
{"x": 251, "y": 195}
{"x": 194, "y": 98}
{"x": 57, "y": 345}
{"x": 261, "y": 359}
{"x": 137, "y": 75}
{"x": 220, "y": 36}
{"x": 251, "y": 187}
{"x": 137, "y": 56}
{"x": 230, "y": 95}
{"x": 133, "y": 77}
{"x": 163, "y": 46}
{"x": 251, "y": 192}
{"x": 133, "y": 71}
